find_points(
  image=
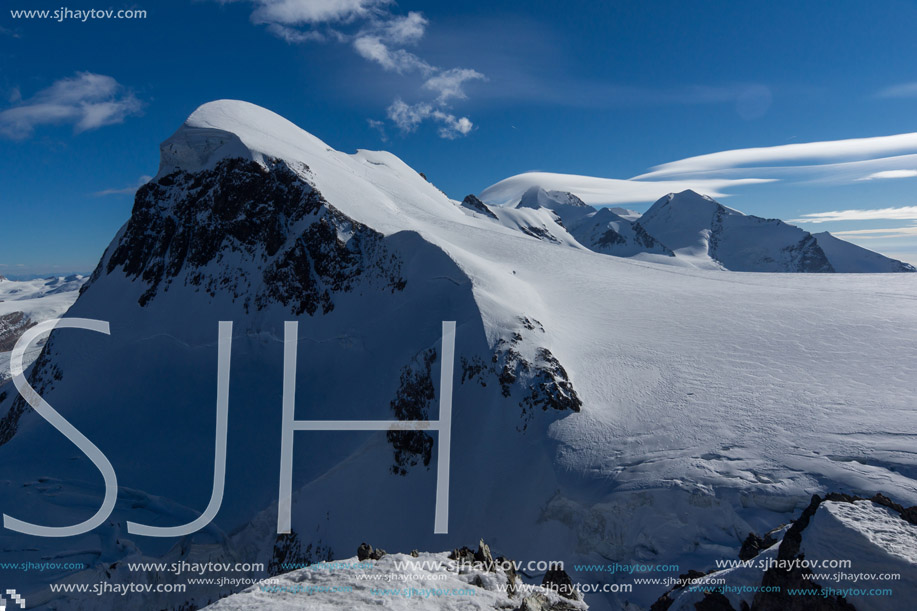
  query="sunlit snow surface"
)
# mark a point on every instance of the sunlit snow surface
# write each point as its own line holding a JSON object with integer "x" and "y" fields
{"x": 714, "y": 403}
{"x": 382, "y": 584}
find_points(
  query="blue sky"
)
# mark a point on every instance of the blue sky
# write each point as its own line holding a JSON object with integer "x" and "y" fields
{"x": 470, "y": 93}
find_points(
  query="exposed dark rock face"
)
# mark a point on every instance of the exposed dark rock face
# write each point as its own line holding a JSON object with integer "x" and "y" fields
{"x": 806, "y": 256}
{"x": 662, "y": 603}
{"x": 551, "y": 387}
{"x": 12, "y": 326}
{"x": 43, "y": 375}
{"x": 714, "y": 601}
{"x": 540, "y": 602}
{"x": 462, "y": 555}
{"x": 541, "y": 233}
{"x": 793, "y": 578}
{"x": 544, "y": 381}
{"x": 473, "y": 203}
{"x": 366, "y": 552}
{"x": 289, "y": 555}
{"x": 560, "y": 582}
{"x": 784, "y": 580}
{"x": 610, "y": 238}
{"x": 606, "y": 232}
{"x": 754, "y": 544}
{"x": 260, "y": 235}
{"x": 412, "y": 402}
{"x": 647, "y": 241}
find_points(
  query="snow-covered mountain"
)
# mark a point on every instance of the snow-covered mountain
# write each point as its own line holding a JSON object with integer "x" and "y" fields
{"x": 708, "y": 233}
{"x": 848, "y": 257}
{"x": 605, "y": 409}
{"x": 690, "y": 229}
{"x": 24, "y": 304}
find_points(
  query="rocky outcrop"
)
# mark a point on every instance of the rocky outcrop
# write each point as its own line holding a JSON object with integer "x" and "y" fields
{"x": 263, "y": 235}
{"x": 290, "y": 555}
{"x": 787, "y": 582}
{"x": 12, "y": 326}
{"x": 412, "y": 402}
{"x": 476, "y": 205}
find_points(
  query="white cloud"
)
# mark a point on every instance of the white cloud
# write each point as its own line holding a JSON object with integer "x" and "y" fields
{"x": 378, "y": 35}
{"x": 787, "y": 155}
{"x": 605, "y": 191}
{"x": 409, "y": 116}
{"x": 891, "y": 174}
{"x": 379, "y": 126}
{"x": 901, "y": 90}
{"x": 294, "y": 36}
{"x": 125, "y": 190}
{"x": 406, "y": 29}
{"x": 306, "y": 12}
{"x": 375, "y": 49}
{"x": 873, "y": 234}
{"x": 448, "y": 83}
{"x": 406, "y": 116}
{"x": 905, "y": 213}
{"x": 87, "y": 101}
{"x": 380, "y": 41}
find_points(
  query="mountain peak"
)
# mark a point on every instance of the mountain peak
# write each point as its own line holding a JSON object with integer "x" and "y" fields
{"x": 233, "y": 128}
{"x": 536, "y": 197}
{"x": 688, "y": 197}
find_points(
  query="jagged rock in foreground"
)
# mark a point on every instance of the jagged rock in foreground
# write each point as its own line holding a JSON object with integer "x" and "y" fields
{"x": 429, "y": 581}
{"x": 877, "y": 536}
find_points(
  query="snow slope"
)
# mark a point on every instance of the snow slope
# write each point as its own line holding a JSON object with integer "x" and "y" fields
{"x": 430, "y": 581}
{"x": 876, "y": 541}
{"x": 605, "y": 409}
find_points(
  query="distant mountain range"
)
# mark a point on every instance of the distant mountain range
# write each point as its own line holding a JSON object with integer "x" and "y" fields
{"x": 685, "y": 229}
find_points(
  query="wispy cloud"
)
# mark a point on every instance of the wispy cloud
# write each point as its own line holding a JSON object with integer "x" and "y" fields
{"x": 449, "y": 84}
{"x": 901, "y": 90}
{"x": 831, "y": 162}
{"x": 875, "y": 234}
{"x": 87, "y": 101}
{"x": 8, "y": 32}
{"x": 605, "y": 191}
{"x": 125, "y": 190}
{"x": 377, "y": 34}
{"x": 407, "y": 117}
{"x": 379, "y": 126}
{"x": 903, "y": 213}
{"x": 890, "y": 174}
{"x": 789, "y": 154}
{"x": 305, "y": 12}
